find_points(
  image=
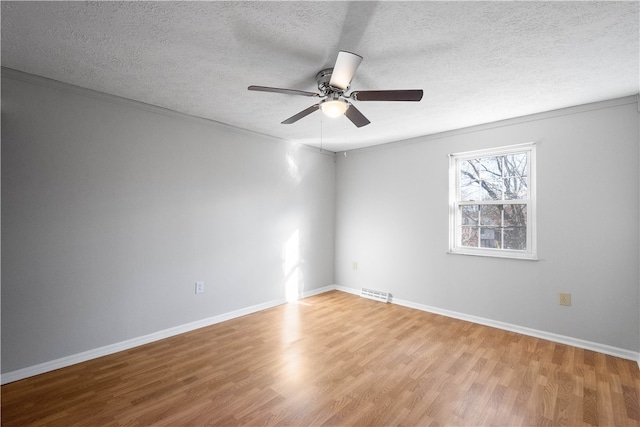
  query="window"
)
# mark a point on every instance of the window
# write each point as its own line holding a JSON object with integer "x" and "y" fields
{"x": 492, "y": 202}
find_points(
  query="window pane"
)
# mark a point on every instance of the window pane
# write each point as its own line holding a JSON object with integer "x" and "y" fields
{"x": 515, "y": 165}
{"x": 492, "y": 190}
{"x": 469, "y": 236}
{"x": 515, "y": 188}
{"x": 491, "y": 215}
{"x": 470, "y": 187}
{"x": 470, "y": 215}
{"x": 515, "y": 238}
{"x": 491, "y": 174}
{"x": 489, "y": 237}
{"x": 515, "y": 216}
{"x": 515, "y": 176}
{"x": 501, "y": 226}
{"x": 490, "y": 167}
{"x": 481, "y": 179}
{"x": 494, "y": 178}
{"x": 470, "y": 191}
{"x": 515, "y": 223}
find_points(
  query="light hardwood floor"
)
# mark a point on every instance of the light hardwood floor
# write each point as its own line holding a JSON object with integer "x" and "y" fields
{"x": 336, "y": 359}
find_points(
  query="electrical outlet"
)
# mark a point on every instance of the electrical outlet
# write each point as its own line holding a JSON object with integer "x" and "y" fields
{"x": 564, "y": 298}
{"x": 199, "y": 287}
{"x": 355, "y": 265}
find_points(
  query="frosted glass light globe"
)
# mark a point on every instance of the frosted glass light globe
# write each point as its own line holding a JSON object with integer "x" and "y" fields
{"x": 334, "y": 108}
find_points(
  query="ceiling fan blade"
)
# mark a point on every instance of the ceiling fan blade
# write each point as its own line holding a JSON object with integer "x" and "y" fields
{"x": 301, "y": 114}
{"x": 285, "y": 91}
{"x": 356, "y": 116}
{"x": 346, "y": 66}
{"x": 387, "y": 95}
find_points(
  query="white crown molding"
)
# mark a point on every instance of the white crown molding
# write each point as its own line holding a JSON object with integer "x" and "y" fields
{"x": 577, "y": 109}
{"x": 21, "y": 76}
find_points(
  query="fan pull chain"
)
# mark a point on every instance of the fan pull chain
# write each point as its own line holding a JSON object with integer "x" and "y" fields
{"x": 321, "y": 133}
{"x": 344, "y": 127}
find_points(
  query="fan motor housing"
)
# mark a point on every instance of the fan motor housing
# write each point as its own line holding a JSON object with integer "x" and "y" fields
{"x": 323, "y": 78}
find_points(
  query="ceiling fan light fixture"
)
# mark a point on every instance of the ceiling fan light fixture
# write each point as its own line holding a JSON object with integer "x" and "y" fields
{"x": 332, "y": 85}
{"x": 334, "y": 108}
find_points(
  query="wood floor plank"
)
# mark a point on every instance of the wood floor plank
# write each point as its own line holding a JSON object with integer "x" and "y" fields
{"x": 335, "y": 359}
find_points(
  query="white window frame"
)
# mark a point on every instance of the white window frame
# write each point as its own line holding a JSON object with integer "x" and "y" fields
{"x": 455, "y": 217}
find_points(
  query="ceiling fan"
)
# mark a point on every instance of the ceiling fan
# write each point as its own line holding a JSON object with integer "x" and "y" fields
{"x": 333, "y": 84}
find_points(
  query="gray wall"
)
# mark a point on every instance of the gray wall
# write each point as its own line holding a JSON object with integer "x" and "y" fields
{"x": 392, "y": 219}
{"x": 112, "y": 211}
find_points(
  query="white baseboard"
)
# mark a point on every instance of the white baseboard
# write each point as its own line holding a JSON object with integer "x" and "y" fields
{"x": 131, "y": 343}
{"x": 562, "y": 339}
{"x": 41, "y": 368}
{"x": 347, "y": 290}
{"x": 166, "y": 333}
{"x": 318, "y": 291}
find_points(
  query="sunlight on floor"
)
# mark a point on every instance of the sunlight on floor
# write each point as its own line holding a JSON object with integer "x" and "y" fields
{"x": 290, "y": 333}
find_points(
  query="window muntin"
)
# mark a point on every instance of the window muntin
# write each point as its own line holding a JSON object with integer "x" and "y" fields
{"x": 492, "y": 206}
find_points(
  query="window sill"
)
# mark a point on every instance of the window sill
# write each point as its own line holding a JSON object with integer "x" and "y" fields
{"x": 501, "y": 254}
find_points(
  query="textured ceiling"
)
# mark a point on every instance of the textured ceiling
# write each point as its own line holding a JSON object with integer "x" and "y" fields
{"x": 477, "y": 62}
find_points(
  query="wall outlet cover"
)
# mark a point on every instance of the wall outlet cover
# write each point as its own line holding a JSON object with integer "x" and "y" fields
{"x": 564, "y": 298}
{"x": 199, "y": 287}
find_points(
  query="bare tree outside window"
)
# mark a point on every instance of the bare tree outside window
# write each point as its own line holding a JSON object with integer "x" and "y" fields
{"x": 492, "y": 200}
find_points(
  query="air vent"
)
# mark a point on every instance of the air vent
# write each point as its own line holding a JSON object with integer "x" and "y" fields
{"x": 375, "y": 295}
